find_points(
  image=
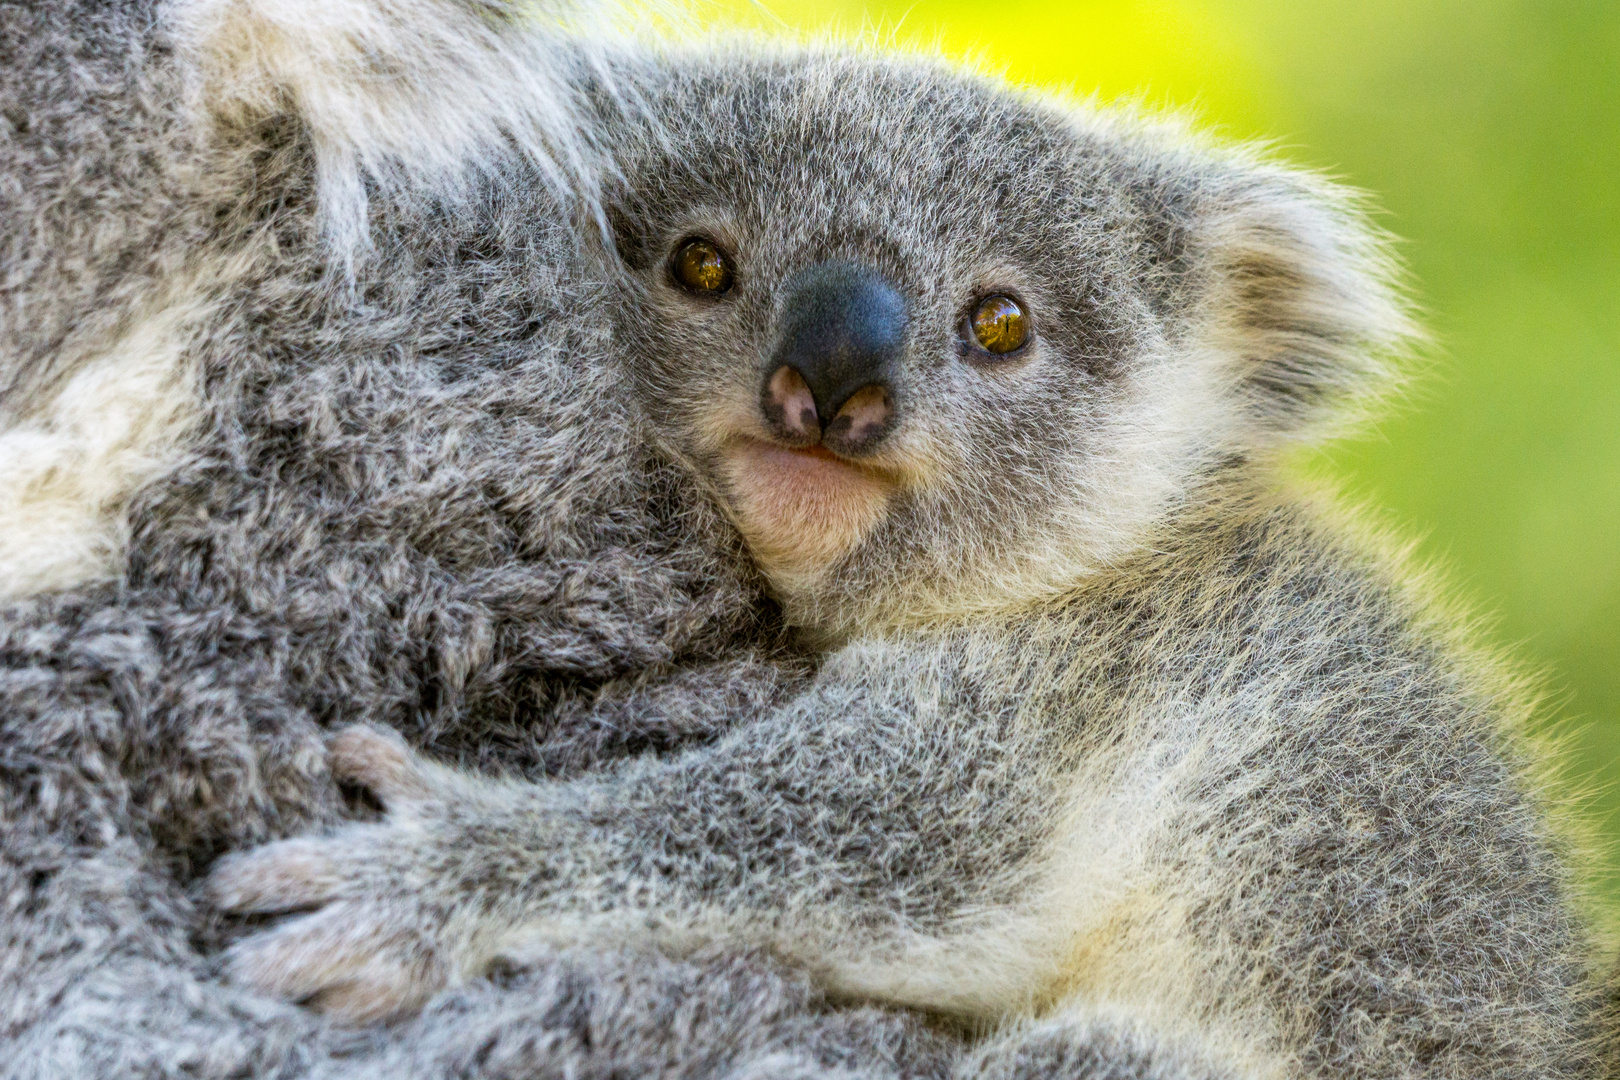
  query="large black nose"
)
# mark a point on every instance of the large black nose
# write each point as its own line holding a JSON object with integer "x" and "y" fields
{"x": 843, "y": 331}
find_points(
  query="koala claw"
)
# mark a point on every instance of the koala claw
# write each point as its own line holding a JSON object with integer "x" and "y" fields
{"x": 347, "y": 960}
{"x": 276, "y": 878}
{"x": 379, "y": 759}
{"x": 370, "y": 950}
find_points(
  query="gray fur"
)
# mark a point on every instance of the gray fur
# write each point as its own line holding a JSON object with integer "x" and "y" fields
{"x": 455, "y": 531}
{"x": 87, "y": 95}
{"x": 1093, "y": 720}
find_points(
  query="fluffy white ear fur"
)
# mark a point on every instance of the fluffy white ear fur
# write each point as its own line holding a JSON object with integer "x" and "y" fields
{"x": 397, "y": 92}
{"x": 1303, "y": 299}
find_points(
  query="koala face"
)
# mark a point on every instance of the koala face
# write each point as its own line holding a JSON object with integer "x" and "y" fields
{"x": 937, "y": 346}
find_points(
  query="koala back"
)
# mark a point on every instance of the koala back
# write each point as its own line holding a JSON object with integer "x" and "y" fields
{"x": 153, "y": 150}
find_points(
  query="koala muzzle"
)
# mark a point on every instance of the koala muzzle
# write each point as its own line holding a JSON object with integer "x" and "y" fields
{"x": 831, "y": 378}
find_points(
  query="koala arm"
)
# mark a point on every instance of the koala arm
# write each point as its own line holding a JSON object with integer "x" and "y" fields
{"x": 819, "y": 846}
{"x": 868, "y": 813}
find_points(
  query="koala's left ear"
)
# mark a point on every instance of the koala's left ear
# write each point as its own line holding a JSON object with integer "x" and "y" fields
{"x": 394, "y": 93}
{"x": 1297, "y": 288}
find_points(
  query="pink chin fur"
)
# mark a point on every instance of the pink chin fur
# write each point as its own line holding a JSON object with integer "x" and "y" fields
{"x": 801, "y": 509}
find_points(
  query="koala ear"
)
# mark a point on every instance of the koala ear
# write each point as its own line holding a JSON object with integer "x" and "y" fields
{"x": 391, "y": 93}
{"x": 1297, "y": 289}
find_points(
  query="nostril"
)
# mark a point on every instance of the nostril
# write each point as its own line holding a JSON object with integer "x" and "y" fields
{"x": 862, "y": 421}
{"x": 789, "y": 406}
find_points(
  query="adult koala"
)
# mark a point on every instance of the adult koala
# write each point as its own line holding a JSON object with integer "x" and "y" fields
{"x": 1112, "y": 747}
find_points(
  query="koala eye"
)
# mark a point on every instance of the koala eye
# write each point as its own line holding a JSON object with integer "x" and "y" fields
{"x": 999, "y": 325}
{"x": 701, "y": 267}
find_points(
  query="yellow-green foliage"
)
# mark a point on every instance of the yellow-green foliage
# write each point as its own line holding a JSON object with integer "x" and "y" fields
{"x": 1490, "y": 130}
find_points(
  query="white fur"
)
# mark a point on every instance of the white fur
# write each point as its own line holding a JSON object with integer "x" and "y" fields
{"x": 395, "y": 92}
{"x": 69, "y": 466}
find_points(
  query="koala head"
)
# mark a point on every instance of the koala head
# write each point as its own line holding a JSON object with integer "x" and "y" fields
{"x": 941, "y": 347}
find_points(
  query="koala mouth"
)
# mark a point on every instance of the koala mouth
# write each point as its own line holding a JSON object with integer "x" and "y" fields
{"x": 801, "y": 508}
{"x": 817, "y": 451}
{"x": 814, "y": 470}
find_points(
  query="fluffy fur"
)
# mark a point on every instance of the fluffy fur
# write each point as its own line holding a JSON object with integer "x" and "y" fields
{"x": 1094, "y": 742}
{"x": 333, "y": 516}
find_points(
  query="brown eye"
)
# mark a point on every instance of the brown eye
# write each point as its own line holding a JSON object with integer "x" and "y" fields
{"x": 702, "y": 268}
{"x": 999, "y": 325}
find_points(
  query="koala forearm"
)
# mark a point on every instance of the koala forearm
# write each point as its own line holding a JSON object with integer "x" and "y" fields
{"x": 842, "y": 816}
{"x": 868, "y": 848}
{"x": 847, "y": 842}
{"x": 661, "y": 709}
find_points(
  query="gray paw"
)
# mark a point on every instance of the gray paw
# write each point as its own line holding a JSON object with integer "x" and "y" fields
{"x": 374, "y": 946}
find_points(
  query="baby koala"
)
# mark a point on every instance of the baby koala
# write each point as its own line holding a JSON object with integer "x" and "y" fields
{"x": 1123, "y": 750}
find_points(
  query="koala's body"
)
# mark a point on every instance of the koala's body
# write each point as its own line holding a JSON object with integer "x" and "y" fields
{"x": 1117, "y": 750}
{"x": 1116, "y": 741}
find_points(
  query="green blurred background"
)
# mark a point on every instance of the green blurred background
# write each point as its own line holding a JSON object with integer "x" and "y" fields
{"x": 1490, "y": 132}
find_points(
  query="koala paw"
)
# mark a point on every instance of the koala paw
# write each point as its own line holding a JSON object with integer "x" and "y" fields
{"x": 372, "y": 943}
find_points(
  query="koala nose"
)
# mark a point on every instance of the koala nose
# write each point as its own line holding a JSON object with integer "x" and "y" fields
{"x": 831, "y": 377}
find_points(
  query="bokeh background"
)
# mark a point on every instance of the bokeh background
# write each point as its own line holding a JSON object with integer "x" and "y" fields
{"x": 1489, "y": 130}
